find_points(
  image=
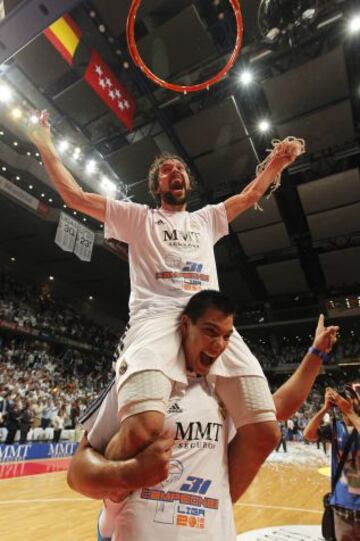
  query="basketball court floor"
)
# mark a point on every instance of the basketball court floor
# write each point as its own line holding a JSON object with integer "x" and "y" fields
{"x": 285, "y": 500}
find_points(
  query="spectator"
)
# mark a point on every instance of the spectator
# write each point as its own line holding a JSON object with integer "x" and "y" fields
{"x": 11, "y": 421}
{"x": 37, "y": 412}
{"x": 25, "y": 421}
{"x": 46, "y": 415}
{"x": 282, "y": 441}
{"x": 58, "y": 423}
{"x": 74, "y": 413}
{"x": 345, "y": 497}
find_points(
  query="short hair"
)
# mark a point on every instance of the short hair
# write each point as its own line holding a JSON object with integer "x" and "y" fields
{"x": 153, "y": 176}
{"x": 208, "y": 298}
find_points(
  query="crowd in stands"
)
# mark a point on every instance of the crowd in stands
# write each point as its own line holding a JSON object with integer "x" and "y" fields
{"x": 43, "y": 392}
{"x": 42, "y": 387}
{"x": 292, "y": 429}
{"x": 34, "y": 308}
{"x": 283, "y": 350}
{"x": 46, "y": 383}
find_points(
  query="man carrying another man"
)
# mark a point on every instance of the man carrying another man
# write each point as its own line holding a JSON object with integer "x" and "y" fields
{"x": 204, "y": 475}
{"x": 171, "y": 256}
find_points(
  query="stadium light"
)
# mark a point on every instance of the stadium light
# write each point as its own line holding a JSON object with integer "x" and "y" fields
{"x": 6, "y": 94}
{"x": 16, "y": 113}
{"x": 63, "y": 145}
{"x": 108, "y": 185}
{"x": 34, "y": 119}
{"x": 90, "y": 166}
{"x": 264, "y": 126}
{"x": 354, "y": 24}
{"x": 76, "y": 154}
{"x": 246, "y": 77}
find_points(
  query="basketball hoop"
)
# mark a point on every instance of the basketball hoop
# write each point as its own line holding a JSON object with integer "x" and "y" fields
{"x": 134, "y": 53}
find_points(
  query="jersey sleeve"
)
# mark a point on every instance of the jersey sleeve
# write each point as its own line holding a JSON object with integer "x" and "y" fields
{"x": 103, "y": 423}
{"x": 216, "y": 220}
{"x": 123, "y": 220}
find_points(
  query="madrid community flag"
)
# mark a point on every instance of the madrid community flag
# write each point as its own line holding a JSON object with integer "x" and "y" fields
{"x": 106, "y": 85}
{"x": 65, "y": 36}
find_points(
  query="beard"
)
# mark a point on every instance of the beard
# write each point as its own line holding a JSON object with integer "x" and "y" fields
{"x": 170, "y": 198}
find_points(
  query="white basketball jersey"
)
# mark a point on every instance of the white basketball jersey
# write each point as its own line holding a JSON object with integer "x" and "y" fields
{"x": 194, "y": 502}
{"x": 171, "y": 254}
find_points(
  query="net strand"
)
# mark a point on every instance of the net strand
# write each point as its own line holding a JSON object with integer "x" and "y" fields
{"x": 280, "y": 149}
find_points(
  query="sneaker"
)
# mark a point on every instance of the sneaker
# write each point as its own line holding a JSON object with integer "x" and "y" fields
{"x": 99, "y": 538}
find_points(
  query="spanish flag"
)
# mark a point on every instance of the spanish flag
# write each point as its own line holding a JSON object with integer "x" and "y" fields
{"x": 65, "y": 36}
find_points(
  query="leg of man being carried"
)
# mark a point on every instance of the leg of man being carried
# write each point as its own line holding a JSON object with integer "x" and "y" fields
{"x": 250, "y": 405}
{"x": 142, "y": 402}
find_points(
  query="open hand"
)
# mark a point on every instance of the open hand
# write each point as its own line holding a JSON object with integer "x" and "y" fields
{"x": 39, "y": 133}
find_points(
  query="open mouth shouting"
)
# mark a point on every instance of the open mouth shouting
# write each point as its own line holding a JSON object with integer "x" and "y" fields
{"x": 206, "y": 360}
{"x": 177, "y": 184}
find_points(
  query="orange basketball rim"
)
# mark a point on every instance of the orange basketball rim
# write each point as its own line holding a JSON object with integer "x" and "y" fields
{"x": 134, "y": 53}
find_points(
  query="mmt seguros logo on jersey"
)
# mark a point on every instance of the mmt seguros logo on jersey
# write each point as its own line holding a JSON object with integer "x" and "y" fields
{"x": 184, "y": 239}
{"x": 197, "y": 434}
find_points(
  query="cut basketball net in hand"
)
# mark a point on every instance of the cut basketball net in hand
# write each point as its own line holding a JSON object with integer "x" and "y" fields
{"x": 134, "y": 53}
{"x": 286, "y": 151}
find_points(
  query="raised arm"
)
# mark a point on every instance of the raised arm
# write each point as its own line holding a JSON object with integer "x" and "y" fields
{"x": 293, "y": 393}
{"x": 311, "y": 430}
{"x": 96, "y": 477}
{"x": 354, "y": 420}
{"x": 284, "y": 153}
{"x": 92, "y": 204}
{"x": 347, "y": 408}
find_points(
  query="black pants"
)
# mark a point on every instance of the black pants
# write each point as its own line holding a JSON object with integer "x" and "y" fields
{"x": 57, "y": 434}
{"x": 283, "y": 443}
{"x": 44, "y": 423}
{"x": 24, "y": 429}
{"x": 322, "y": 443}
{"x": 10, "y": 438}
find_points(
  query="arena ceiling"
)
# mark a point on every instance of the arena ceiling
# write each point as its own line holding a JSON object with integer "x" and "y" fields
{"x": 306, "y": 243}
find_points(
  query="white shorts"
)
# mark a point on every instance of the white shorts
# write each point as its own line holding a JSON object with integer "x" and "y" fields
{"x": 155, "y": 344}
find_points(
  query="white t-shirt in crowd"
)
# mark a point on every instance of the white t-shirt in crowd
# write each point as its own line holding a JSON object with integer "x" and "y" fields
{"x": 171, "y": 254}
{"x": 194, "y": 502}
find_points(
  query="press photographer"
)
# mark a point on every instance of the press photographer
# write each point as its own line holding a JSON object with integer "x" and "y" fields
{"x": 341, "y": 521}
